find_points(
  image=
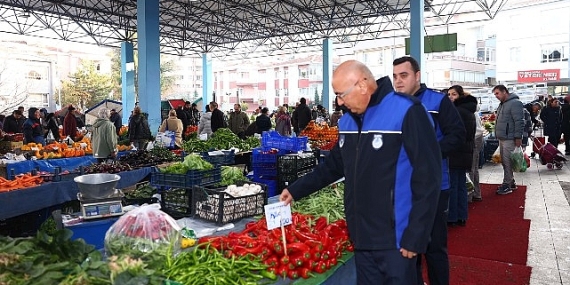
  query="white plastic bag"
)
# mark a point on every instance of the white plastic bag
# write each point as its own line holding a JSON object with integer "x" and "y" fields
{"x": 166, "y": 139}
{"x": 141, "y": 231}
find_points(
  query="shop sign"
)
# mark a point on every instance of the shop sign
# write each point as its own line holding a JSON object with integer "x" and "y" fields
{"x": 530, "y": 76}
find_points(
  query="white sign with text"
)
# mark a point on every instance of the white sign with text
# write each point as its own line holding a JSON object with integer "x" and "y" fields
{"x": 277, "y": 214}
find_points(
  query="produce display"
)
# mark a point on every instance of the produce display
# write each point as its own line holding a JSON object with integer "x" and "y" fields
{"x": 321, "y": 136}
{"x": 222, "y": 139}
{"x": 104, "y": 167}
{"x": 191, "y": 162}
{"x": 143, "y": 231}
{"x": 244, "y": 190}
{"x": 327, "y": 202}
{"x": 313, "y": 245}
{"x": 19, "y": 182}
{"x": 231, "y": 175}
{"x": 155, "y": 156}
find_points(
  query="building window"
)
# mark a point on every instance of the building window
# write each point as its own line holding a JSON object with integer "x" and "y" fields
{"x": 303, "y": 74}
{"x": 515, "y": 54}
{"x": 198, "y": 77}
{"x": 381, "y": 57}
{"x": 286, "y": 73}
{"x": 552, "y": 53}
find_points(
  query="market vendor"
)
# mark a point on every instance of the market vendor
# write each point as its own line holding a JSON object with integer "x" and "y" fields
{"x": 32, "y": 128}
{"x": 388, "y": 153}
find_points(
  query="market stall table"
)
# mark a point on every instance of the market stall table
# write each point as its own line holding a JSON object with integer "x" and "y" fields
{"x": 19, "y": 202}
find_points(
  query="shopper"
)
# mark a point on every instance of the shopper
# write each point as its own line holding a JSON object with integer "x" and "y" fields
{"x": 551, "y": 116}
{"x": 301, "y": 116}
{"x": 53, "y": 127}
{"x": 11, "y": 123}
{"x": 70, "y": 124}
{"x": 389, "y": 216}
{"x": 238, "y": 121}
{"x": 474, "y": 173}
{"x": 173, "y": 124}
{"x": 116, "y": 120}
{"x": 205, "y": 125}
{"x": 104, "y": 137}
{"x": 336, "y": 116}
{"x": 32, "y": 128}
{"x": 217, "y": 120}
{"x": 263, "y": 122}
{"x": 461, "y": 160}
{"x": 450, "y": 134}
{"x": 509, "y": 128}
{"x": 283, "y": 122}
{"x": 139, "y": 130}
{"x": 565, "y": 127}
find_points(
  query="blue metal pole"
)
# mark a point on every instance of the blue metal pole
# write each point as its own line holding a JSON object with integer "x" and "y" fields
{"x": 208, "y": 82}
{"x": 127, "y": 80}
{"x": 417, "y": 33}
{"x": 327, "y": 73}
{"x": 149, "y": 60}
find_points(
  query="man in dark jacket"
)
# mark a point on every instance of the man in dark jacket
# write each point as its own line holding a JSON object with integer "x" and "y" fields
{"x": 450, "y": 134}
{"x": 116, "y": 120}
{"x": 389, "y": 216}
{"x": 302, "y": 115}
{"x": 534, "y": 109}
{"x": 11, "y": 123}
{"x": 32, "y": 129}
{"x": 217, "y": 117}
{"x": 183, "y": 116}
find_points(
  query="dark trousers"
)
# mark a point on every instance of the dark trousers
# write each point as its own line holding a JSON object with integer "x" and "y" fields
{"x": 384, "y": 267}
{"x": 567, "y": 142}
{"x": 436, "y": 255}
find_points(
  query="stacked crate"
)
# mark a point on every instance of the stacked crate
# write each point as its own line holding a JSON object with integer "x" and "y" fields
{"x": 291, "y": 167}
{"x": 264, "y": 164}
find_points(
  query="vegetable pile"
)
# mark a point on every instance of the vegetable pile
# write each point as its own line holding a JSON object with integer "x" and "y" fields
{"x": 231, "y": 175}
{"x": 112, "y": 167}
{"x": 191, "y": 162}
{"x": 222, "y": 139}
{"x": 328, "y": 202}
{"x": 142, "y": 158}
{"x": 19, "y": 182}
{"x": 313, "y": 245}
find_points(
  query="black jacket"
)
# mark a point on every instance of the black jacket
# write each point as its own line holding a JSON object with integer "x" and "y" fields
{"x": 301, "y": 116}
{"x": 391, "y": 162}
{"x": 117, "y": 121}
{"x": 552, "y": 119}
{"x": 462, "y": 158}
{"x": 263, "y": 123}
{"x": 11, "y": 125}
{"x": 53, "y": 126}
{"x": 217, "y": 120}
{"x": 565, "y": 119}
{"x": 139, "y": 128}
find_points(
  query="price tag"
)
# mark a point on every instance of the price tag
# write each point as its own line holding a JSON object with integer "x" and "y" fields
{"x": 277, "y": 214}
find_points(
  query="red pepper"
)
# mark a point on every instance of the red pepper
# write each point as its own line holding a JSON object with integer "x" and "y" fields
{"x": 350, "y": 247}
{"x": 273, "y": 270}
{"x": 315, "y": 254}
{"x": 271, "y": 261}
{"x": 333, "y": 261}
{"x": 292, "y": 274}
{"x": 298, "y": 247}
{"x": 305, "y": 273}
{"x": 312, "y": 264}
{"x": 315, "y": 244}
{"x": 278, "y": 248}
{"x": 320, "y": 223}
{"x": 228, "y": 254}
{"x": 304, "y": 236}
{"x": 297, "y": 260}
{"x": 284, "y": 260}
{"x": 282, "y": 271}
{"x": 321, "y": 267}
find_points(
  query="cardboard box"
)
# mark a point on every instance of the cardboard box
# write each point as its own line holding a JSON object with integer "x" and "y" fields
{"x": 7, "y": 146}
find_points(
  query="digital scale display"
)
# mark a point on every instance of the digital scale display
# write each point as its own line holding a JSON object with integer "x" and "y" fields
{"x": 102, "y": 210}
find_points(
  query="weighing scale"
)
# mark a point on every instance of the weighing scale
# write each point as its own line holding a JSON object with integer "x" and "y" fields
{"x": 92, "y": 208}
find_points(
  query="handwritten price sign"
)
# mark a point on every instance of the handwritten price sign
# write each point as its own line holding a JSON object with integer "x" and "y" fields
{"x": 277, "y": 214}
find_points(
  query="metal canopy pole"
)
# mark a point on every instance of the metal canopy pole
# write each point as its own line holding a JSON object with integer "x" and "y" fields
{"x": 127, "y": 80}
{"x": 417, "y": 35}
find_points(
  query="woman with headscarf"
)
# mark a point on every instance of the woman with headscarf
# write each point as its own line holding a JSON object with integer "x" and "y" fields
{"x": 551, "y": 116}
{"x": 139, "y": 130}
{"x": 32, "y": 128}
{"x": 173, "y": 124}
{"x": 70, "y": 123}
{"x": 283, "y": 122}
{"x": 205, "y": 125}
{"x": 461, "y": 160}
{"x": 104, "y": 137}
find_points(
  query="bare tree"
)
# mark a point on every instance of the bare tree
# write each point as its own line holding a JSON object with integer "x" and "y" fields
{"x": 13, "y": 90}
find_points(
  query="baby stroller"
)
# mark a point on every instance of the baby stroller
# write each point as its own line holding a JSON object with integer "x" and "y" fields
{"x": 551, "y": 156}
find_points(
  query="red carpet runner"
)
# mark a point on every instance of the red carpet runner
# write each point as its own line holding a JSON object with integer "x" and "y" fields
{"x": 492, "y": 248}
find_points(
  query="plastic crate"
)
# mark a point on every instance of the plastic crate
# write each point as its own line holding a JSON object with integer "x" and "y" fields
{"x": 271, "y": 185}
{"x": 227, "y": 158}
{"x": 295, "y": 163}
{"x": 274, "y": 140}
{"x": 266, "y": 156}
{"x": 190, "y": 179}
{"x": 176, "y": 202}
{"x": 264, "y": 170}
{"x": 286, "y": 179}
{"x": 221, "y": 208}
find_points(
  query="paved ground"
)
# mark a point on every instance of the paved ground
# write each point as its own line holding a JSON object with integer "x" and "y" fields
{"x": 549, "y": 211}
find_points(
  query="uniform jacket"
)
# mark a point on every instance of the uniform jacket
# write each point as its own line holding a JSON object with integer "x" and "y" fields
{"x": 449, "y": 129}
{"x": 104, "y": 138}
{"x": 391, "y": 162}
{"x": 238, "y": 122}
{"x": 175, "y": 125}
{"x": 462, "y": 158}
{"x": 509, "y": 123}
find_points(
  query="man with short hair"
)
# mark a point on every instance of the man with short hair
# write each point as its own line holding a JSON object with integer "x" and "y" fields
{"x": 194, "y": 115}
{"x": 450, "y": 133}
{"x": 238, "y": 121}
{"x": 509, "y": 126}
{"x": 116, "y": 120}
{"x": 11, "y": 123}
{"x": 301, "y": 116}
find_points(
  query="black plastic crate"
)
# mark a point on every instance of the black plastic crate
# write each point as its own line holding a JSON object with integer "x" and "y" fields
{"x": 190, "y": 179}
{"x": 177, "y": 202}
{"x": 295, "y": 163}
{"x": 227, "y": 158}
{"x": 286, "y": 179}
{"x": 216, "y": 206}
